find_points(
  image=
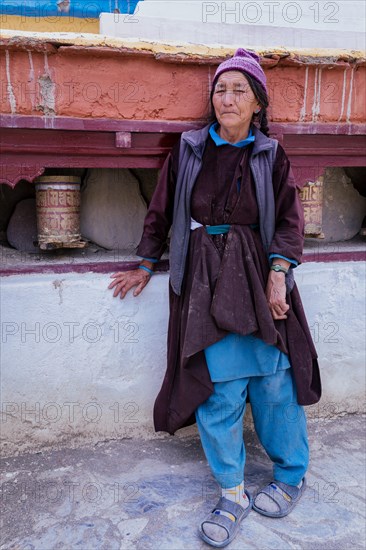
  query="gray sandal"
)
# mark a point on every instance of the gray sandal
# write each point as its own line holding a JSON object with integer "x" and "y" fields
{"x": 229, "y": 525}
{"x": 285, "y": 496}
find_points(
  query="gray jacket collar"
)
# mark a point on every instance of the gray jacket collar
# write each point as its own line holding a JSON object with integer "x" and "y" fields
{"x": 197, "y": 139}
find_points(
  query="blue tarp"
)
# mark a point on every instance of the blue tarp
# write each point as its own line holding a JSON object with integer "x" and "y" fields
{"x": 65, "y": 8}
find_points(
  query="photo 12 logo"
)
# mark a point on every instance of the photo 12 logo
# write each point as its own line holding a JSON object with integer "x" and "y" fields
{"x": 70, "y": 412}
{"x": 270, "y": 13}
{"x": 69, "y": 331}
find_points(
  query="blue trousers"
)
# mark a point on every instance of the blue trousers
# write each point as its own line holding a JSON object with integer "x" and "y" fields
{"x": 279, "y": 422}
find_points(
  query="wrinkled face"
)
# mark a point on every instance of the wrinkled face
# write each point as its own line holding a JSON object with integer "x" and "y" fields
{"x": 233, "y": 100}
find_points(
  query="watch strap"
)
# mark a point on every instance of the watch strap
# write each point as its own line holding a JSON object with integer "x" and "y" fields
{"x": 278, "y": 267}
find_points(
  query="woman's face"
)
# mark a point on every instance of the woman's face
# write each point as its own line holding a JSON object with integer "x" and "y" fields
{"x": 233, "y": 100}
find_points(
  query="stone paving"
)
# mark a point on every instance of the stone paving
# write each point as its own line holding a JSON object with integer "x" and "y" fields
{"x": 143, "y": 495}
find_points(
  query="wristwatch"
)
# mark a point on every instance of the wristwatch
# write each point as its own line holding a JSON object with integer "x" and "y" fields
{"x": 278, "y": 267}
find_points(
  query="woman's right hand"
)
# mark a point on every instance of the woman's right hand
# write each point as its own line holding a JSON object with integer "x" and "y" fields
{"x": 125, "y": 280}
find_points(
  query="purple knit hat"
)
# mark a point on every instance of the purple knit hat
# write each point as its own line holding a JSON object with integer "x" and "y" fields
{"x": 243, "y": 60}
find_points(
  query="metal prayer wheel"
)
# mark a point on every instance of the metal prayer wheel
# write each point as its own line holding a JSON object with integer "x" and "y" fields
{"x": 58, "y": 212}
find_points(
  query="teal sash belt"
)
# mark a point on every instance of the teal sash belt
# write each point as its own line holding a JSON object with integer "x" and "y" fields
{"x": 224, "y": 228}
{"x": 217, "y": 229}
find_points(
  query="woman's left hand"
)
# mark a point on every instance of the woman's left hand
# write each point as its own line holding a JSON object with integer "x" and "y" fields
{"x": 276, "y": 295}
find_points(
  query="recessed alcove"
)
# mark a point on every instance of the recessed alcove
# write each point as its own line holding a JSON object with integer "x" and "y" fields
{"x": 114, "y": 202}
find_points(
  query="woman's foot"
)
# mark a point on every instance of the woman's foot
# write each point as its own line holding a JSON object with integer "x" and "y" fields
{"x": 220, "y": 527}
{"x": 278, "y": 499}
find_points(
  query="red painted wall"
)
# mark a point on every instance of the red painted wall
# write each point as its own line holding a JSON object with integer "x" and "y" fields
{"x": 40, "y": 78}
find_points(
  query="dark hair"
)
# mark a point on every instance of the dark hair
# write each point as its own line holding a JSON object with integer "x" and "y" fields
{"x": 262, "y": 98}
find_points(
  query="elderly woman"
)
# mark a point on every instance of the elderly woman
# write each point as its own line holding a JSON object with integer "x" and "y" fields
{"x": 237, "y": 330}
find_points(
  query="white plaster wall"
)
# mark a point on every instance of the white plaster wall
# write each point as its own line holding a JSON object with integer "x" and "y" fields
{"x": 303, "y": 23}
{"x": 333, "y": 295}
{"x": 89, "y": 366}
{"x": 88, "y": 347}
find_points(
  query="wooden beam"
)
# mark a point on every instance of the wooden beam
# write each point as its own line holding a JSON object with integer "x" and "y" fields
{"x": 166, "y": 126}
{"x": 27, "y": 148}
